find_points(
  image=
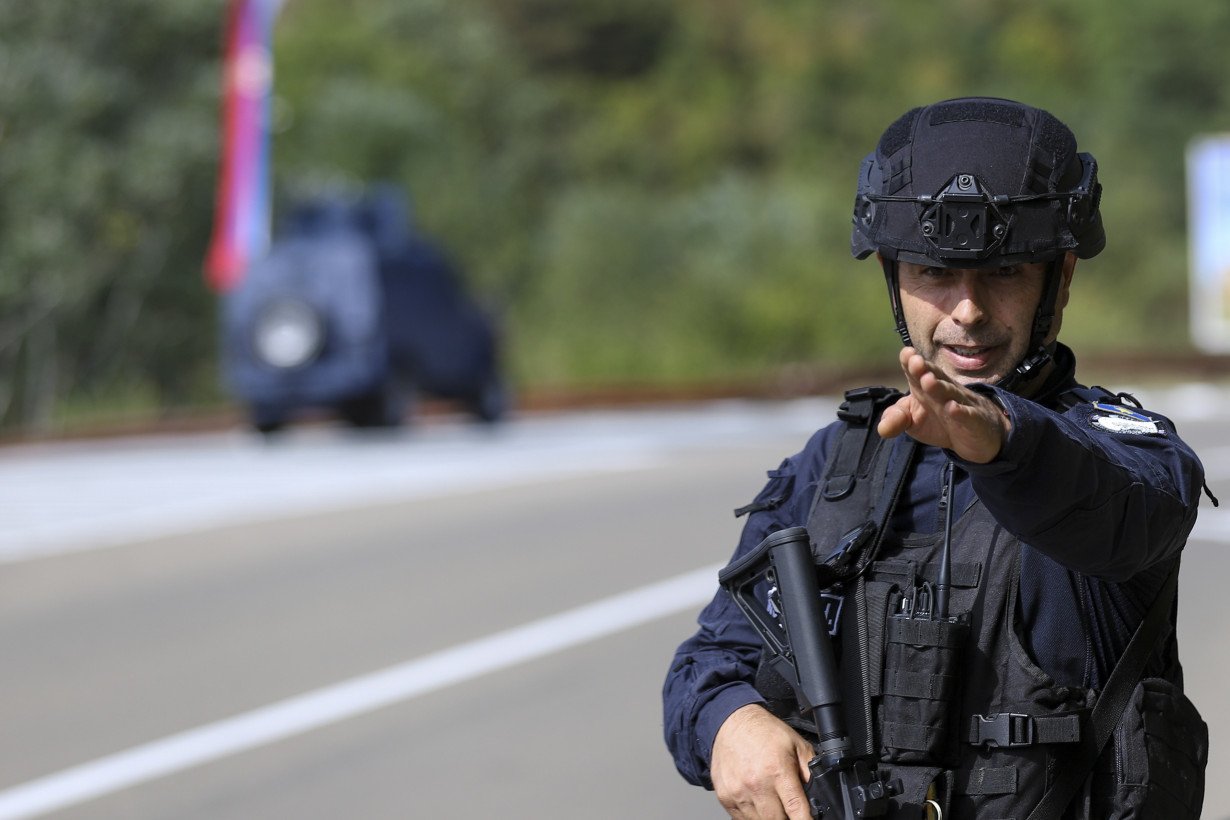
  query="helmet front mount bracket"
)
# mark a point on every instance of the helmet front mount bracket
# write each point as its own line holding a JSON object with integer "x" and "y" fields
{"x": 963, "y": 222}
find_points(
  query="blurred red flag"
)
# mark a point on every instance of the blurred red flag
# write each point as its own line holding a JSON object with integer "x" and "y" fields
{"x": 242, "y": 214}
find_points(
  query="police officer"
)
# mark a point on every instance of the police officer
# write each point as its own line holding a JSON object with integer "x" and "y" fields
{"x": 1059, "y": 511}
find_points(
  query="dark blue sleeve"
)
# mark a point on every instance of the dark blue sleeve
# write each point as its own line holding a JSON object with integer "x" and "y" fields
{"x": 1104, "y": 493}
{"x": 713, "y": 671}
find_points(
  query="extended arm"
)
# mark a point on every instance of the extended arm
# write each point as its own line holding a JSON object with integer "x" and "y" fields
{"x": 1107, "y": 504}
{"x": 1100, "y": 502}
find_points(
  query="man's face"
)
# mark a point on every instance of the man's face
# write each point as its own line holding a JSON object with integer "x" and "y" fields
{"x": 974, "y": 323}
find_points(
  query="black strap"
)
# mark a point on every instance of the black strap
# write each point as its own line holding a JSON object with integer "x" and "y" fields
{"x": 864, "y": 461}
{"x": 881, "y": 514}
{"x": 1009, "y": 729}
{"x": 1111, "y": 703}
{"x": 861, "y": 409}
{"x": 899, "y": 458}
{"x": 990, "y": 780}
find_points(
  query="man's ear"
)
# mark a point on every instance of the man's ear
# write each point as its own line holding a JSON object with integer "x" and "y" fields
{"x": 1065, "y": 281}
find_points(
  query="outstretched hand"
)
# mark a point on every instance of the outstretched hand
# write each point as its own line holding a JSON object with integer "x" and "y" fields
{"x": 943, "y": 413}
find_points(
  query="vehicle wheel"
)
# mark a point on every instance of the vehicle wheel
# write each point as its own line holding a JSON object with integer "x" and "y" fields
{"x": 382, "y": 407}
{"x": 267, "y": 420}
{"x": 492, "y": 402}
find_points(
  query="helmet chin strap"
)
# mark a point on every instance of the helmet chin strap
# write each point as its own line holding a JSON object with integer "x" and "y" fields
{"x": 894, "y": 299}
{"x": 1039, "y": 352}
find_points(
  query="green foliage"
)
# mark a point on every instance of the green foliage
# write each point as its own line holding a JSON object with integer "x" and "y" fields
{"x": 649, "y": 191}
{"x": 108, "y": 117}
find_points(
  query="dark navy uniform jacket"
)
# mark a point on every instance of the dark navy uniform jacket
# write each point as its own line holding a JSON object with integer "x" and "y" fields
{"x": 1099, "y": 506}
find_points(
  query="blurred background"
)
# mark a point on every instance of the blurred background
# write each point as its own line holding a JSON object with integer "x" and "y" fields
{"x": 554, "y": 214}
{"x": 643, "y": 193}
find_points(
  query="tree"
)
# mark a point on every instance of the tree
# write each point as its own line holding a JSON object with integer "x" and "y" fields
{"x": 107, "y": 150}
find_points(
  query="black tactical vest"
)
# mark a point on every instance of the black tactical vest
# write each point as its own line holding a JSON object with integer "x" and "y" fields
{"x": 955, "y": 707}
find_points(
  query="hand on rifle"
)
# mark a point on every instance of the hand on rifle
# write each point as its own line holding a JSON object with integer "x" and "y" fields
{"x": 759, "y": 766}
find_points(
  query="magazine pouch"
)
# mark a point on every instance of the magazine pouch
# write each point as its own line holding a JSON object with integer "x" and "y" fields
{"x": 921, "y": 688}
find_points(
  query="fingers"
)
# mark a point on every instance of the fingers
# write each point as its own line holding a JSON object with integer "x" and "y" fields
{"x": 942, "y": 413}
{"x": 758, "y": 767}
{"x": 928, "y": 382}
{"x": 929, "y": 392}
{"x": 781, "y": 797}
{"x": 897, "y": 419}
{"x": 795, "y": 801}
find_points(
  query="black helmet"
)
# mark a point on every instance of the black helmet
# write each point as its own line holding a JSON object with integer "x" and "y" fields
{"x": 979, "y": 182}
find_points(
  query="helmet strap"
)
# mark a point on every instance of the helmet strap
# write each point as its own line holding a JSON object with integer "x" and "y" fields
{"x": 1040, "y": 352}
{"x": 894, "y": 298}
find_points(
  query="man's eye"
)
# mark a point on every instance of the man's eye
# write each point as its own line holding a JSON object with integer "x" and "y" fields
{"x": 1006, "y": 270}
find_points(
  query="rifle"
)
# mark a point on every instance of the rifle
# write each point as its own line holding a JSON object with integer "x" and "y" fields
{"x": 842, "y": 786}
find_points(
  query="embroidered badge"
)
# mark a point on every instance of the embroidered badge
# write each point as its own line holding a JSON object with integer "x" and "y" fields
{"x": 1116, "y": 419}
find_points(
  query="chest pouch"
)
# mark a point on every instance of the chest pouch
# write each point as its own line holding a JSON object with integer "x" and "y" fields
{"x": 923, "y": 650}
{"x": 921, "y": 685}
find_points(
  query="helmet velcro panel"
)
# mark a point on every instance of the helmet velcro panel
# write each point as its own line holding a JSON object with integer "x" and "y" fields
{"x": 976, "y": 110}
{"x": 898, "y": 135}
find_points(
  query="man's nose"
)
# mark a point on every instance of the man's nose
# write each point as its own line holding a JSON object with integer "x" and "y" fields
{"x": 970, "y": 301}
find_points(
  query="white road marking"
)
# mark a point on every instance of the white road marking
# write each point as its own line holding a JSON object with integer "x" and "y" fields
{"x": 358, "y": 696}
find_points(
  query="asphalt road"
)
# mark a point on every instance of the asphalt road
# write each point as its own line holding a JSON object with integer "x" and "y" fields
{"x": 446, "y": 623}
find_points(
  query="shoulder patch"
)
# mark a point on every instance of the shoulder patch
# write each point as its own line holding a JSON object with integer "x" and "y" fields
{"x": 1115, "y": 418}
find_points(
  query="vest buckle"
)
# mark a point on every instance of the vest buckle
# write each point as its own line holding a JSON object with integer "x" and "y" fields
{"x": 860, "y": 403}
{"x": 1005, "y": 729}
